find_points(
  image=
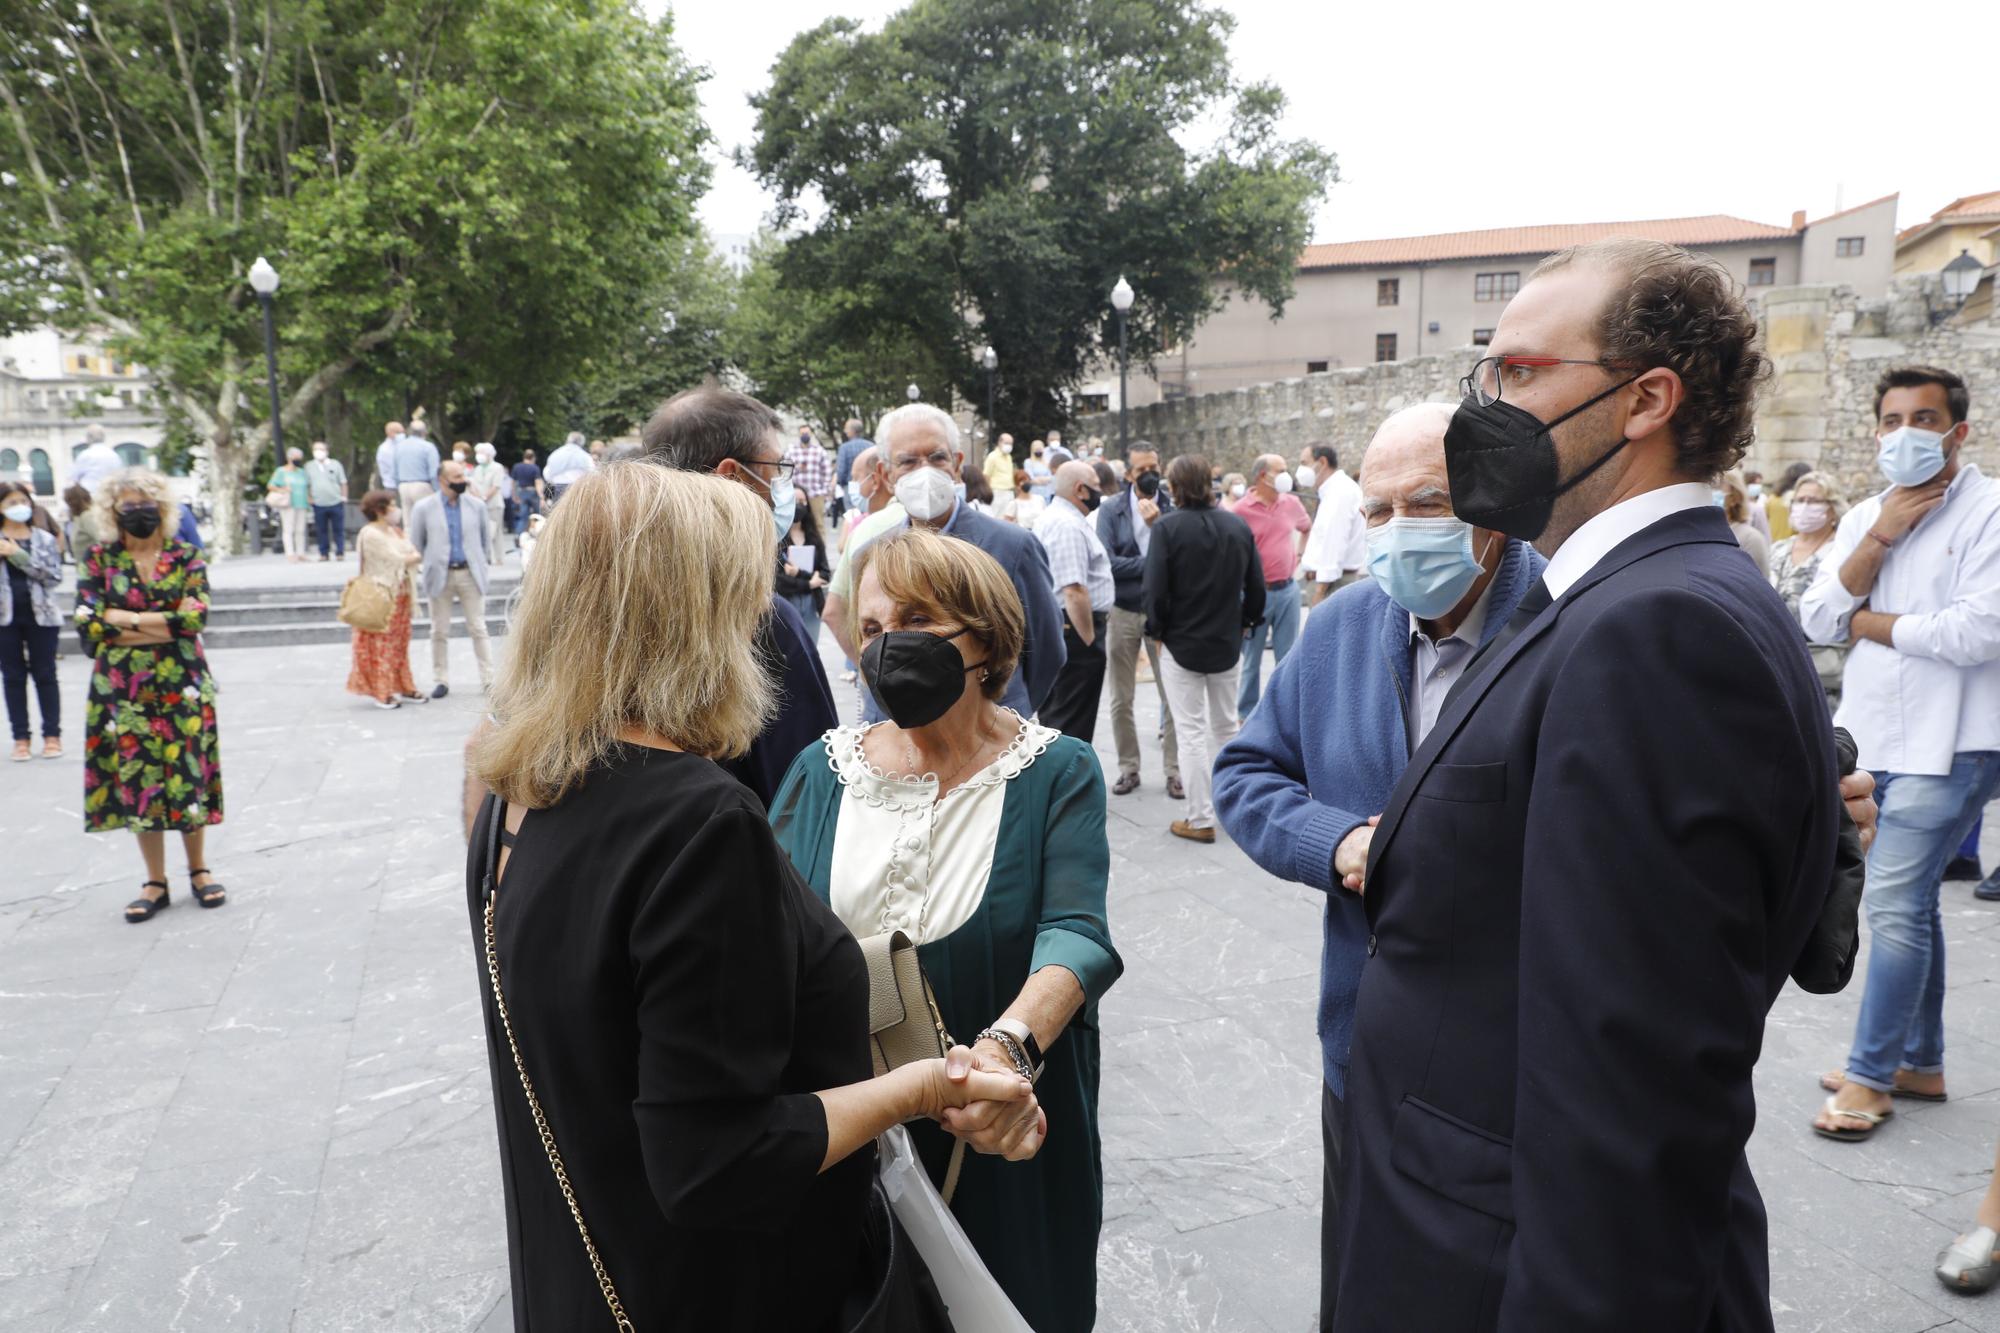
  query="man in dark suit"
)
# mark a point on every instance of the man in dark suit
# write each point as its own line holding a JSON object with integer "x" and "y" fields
{"x": 922, "y": 459}
{"x": 1125, "y": 525}
{"x": 1592, "y": 878}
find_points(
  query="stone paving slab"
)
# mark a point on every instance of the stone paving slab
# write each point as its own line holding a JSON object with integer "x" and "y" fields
{"x": 276, "y": 1115}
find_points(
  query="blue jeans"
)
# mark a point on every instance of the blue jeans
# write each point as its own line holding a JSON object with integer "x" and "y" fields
{"x": 330, "y": 528}
{"x": 526, "y": 505}
{"x": 1281, "y": 628}
{"x": 1921, "y": 824}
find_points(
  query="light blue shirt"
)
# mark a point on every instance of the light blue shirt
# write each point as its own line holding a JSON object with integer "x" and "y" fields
{"x": 452, "y": 522}
{"x": 413, "y": 460}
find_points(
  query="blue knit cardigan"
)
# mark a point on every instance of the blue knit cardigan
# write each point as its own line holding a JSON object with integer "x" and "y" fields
{"x": 1322, "y": 752}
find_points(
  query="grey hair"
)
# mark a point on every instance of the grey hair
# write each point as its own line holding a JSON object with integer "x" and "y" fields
{"x": 575, "y": 437}
{"x": 143, "y": 481}
{"x": 1262, "y": 464}
{"x": 869, "y": 459}
{"x": 885, "y": 429}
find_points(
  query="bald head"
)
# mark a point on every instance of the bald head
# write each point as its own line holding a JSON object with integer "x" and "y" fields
{"x": 1076, "y": 482}
{"x": 1403, "y": 472}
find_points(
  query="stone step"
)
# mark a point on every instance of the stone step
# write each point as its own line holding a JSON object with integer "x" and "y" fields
{"x": 329, "y": 630}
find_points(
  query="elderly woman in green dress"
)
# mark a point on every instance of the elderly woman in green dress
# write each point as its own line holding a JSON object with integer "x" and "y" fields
{"x": 980, "y": 835}
{"x": 150, "y": 758}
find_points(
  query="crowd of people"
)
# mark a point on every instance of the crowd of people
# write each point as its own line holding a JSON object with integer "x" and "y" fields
{"x": 1518, "y": 595}
{"x": 1550, "y": 733}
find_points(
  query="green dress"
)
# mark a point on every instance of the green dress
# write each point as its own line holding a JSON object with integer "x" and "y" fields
{"x": 150, "y": 757}
{"x": 1035, "y": 1223}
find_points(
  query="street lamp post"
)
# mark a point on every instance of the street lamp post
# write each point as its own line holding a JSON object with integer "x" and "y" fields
{"x": 264, "y": 281}
{"x": 1960, "y": 278}
{"x": 1121, "y": 303}
{"x": 990, "y": 359}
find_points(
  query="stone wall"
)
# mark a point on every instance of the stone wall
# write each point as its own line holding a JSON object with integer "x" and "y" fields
{"x": 1828, "y": 347}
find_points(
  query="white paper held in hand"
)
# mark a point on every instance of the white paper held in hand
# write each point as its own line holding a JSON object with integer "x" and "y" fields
{"x": 802, "y": 558}
{"x": 975, "y": 1300}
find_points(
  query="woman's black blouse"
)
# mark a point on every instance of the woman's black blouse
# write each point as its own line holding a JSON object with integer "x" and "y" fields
{"x": 678, "y": 995}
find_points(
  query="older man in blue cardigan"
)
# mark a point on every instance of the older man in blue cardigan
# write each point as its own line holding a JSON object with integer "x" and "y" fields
{"x": 1298, "y": 787}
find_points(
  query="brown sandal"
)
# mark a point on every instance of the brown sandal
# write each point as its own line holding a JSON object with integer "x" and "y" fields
{"x": 1836, "y": 1079}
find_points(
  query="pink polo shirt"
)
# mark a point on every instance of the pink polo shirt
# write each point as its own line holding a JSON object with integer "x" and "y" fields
{"x": 1275, "y": 527}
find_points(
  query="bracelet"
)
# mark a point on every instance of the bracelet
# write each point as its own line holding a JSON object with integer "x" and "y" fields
{"x": 1006, "y": 1042}
{"x": 1886, "y": 541}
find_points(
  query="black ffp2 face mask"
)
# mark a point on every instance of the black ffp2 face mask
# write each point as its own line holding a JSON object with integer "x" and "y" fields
{"x": 141, "y": 521}
{"x": 915, "y": 675}
{"x": 1502, "y": 465}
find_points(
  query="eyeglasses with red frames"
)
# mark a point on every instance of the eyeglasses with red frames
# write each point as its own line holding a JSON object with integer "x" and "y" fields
{"x": 1491, "y": 376}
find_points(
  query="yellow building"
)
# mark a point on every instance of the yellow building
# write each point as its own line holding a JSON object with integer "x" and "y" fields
{"x": 1970, "y": 224}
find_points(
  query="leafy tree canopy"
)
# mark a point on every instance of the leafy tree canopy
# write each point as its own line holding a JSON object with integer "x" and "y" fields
{"x": 987, "y": 169}
{"x": 456, "y": 193}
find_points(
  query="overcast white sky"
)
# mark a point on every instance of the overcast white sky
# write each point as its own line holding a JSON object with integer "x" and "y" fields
{"x": 1448, "y": 115}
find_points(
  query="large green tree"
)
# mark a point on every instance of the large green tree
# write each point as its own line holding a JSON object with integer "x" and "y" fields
{"x": 822, "y": 351}
{"x": 674, "y": 336}
{"x": 458, "y": 194}
{"x": 984, "y": 170}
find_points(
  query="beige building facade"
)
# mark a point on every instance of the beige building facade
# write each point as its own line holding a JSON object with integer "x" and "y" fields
{"x": 53, "y": 389}
{"x": 1362, "y": 302}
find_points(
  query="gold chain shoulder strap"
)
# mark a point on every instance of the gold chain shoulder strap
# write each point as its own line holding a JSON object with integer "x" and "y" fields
{"x": 489, "y": 885}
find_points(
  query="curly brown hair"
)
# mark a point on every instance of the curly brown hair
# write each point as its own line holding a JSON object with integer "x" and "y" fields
{"x": 1684, "y": 312}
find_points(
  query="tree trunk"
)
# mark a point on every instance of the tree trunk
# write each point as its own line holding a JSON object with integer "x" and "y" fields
{"x": 227, "y": 468}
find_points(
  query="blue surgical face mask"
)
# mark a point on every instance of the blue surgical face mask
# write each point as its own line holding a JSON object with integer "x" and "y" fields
{"x": 1911, "y": 456}
{"x": 1717, "y": 498}
{"x": 18, "y": 513}
{"x": 1424, "y": 564}
{"x": 784, "y": 505}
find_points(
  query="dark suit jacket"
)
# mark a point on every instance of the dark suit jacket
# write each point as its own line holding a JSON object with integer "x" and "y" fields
{"x": 805, "y": 702}
{"x": 1584, "y": 896}
{"x": 1115, "y": 520}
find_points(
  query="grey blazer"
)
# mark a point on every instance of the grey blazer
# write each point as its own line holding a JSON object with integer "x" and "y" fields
{"x": 431, "y": 535}
{"x": 43, "y": 567}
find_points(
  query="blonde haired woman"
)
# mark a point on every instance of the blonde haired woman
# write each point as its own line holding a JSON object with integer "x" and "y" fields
{"x": 694, "y": 1022}
{"x": 151, "y": 762}
{"x": 1815, "y": 512}
{"x": 981, "y": 835}
{"x": 1734, "y": 497}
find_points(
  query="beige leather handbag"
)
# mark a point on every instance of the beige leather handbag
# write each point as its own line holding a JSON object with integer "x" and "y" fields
{"x": 366, "y": 605}
{"x": 904, "y": 1024}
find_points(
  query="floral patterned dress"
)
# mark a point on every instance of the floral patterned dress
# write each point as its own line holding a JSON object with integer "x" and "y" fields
{"x": 151, "y": 762}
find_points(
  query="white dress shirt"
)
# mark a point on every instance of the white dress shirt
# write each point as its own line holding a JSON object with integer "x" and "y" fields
{"x": 1608, "y": 530}
{"x": 1937, "y": 692}
{"x": 568, "y": 465}
{"x": 1338, "y": 543}
{"x": 1436, "y": 665}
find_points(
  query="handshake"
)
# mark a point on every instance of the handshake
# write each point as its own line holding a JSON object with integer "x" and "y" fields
{"x": 987, "y": 1104}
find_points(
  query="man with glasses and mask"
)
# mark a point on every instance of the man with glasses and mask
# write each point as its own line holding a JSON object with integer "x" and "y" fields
{"x": 921, "y": 456}
{"x": 733, "y": 435}
{"x": 1591, "y": 879}
{"x": 1125, "y": 525}
{"x": 1912, "y": 581}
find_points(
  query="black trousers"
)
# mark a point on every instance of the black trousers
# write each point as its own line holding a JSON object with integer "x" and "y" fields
{"x": 1071, "y": 706}
{"x": 28, "y": 651}
{"x": 1332, "y": 1126}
